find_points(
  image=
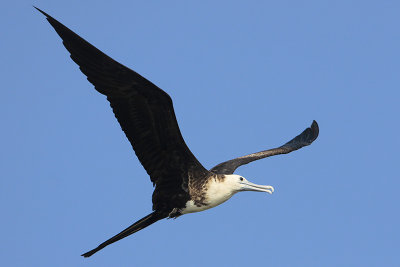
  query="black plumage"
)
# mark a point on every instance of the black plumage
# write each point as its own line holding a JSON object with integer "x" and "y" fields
{"x": 304, "y": 139}
{"x": 146, "y": 115}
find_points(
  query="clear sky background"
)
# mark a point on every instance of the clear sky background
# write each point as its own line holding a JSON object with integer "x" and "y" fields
{"x": 244, "y": 76}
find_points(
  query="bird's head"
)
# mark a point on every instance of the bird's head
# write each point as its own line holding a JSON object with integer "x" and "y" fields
{"x": 239, "y": 183}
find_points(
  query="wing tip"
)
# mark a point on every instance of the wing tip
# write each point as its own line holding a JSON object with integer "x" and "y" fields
{"x": 314, "y": 131}
{"x": 55, "y": 23}
{"x": 41, "y": 11}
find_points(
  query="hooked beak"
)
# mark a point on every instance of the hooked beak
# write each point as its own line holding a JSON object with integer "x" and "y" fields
{"x": 247, "y": 186}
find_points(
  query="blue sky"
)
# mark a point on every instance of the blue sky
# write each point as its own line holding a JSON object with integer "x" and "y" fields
{"x": 244, "y": 76}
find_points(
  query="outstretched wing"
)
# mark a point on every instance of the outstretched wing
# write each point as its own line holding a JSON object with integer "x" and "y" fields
{"x": 144, "y": 111}
{"x": 304, "y": 139}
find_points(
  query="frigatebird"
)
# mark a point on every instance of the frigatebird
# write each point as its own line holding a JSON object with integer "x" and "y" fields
{"x": 146, "y": 115}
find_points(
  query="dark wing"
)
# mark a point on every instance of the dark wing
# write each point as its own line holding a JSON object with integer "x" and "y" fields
{"x": 304, "y": 139}
{"x": 144, "y": 111}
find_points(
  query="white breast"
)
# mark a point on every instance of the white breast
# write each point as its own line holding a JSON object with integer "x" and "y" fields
{"x": 216, "y": 194}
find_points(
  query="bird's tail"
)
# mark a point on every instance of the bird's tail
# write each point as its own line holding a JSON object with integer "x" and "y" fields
{"x": 137, "y": 226}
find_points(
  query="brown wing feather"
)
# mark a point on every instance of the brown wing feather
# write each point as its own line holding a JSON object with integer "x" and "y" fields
{"x": 304, "y": 139}
{"x": 144, "y": 111}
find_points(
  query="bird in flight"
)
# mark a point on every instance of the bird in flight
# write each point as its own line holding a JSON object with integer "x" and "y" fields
{"x": 146, "y": 115}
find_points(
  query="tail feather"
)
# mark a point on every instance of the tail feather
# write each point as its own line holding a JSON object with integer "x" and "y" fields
{"x": 137, "y": 226}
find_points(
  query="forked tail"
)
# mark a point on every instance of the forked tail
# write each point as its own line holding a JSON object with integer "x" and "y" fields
{"x": 137, "y": 226}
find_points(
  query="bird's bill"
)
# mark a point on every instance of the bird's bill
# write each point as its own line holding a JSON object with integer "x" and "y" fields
{"x": 247, "y": 186}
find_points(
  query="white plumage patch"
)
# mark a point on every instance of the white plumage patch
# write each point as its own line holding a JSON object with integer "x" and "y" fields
{"x": 217, "y": 193}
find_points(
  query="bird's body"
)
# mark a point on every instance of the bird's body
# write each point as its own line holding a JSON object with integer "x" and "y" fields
{"x": 218, "y": 189}
{"x": 146, "y": 115}
{"x": 214, "y": 191}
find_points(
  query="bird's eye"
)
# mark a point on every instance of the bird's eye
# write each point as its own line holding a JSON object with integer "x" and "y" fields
{"x": 241, "y": 178}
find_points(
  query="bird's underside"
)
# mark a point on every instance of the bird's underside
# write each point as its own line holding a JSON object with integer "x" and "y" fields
{"x": 146, "y": 115}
